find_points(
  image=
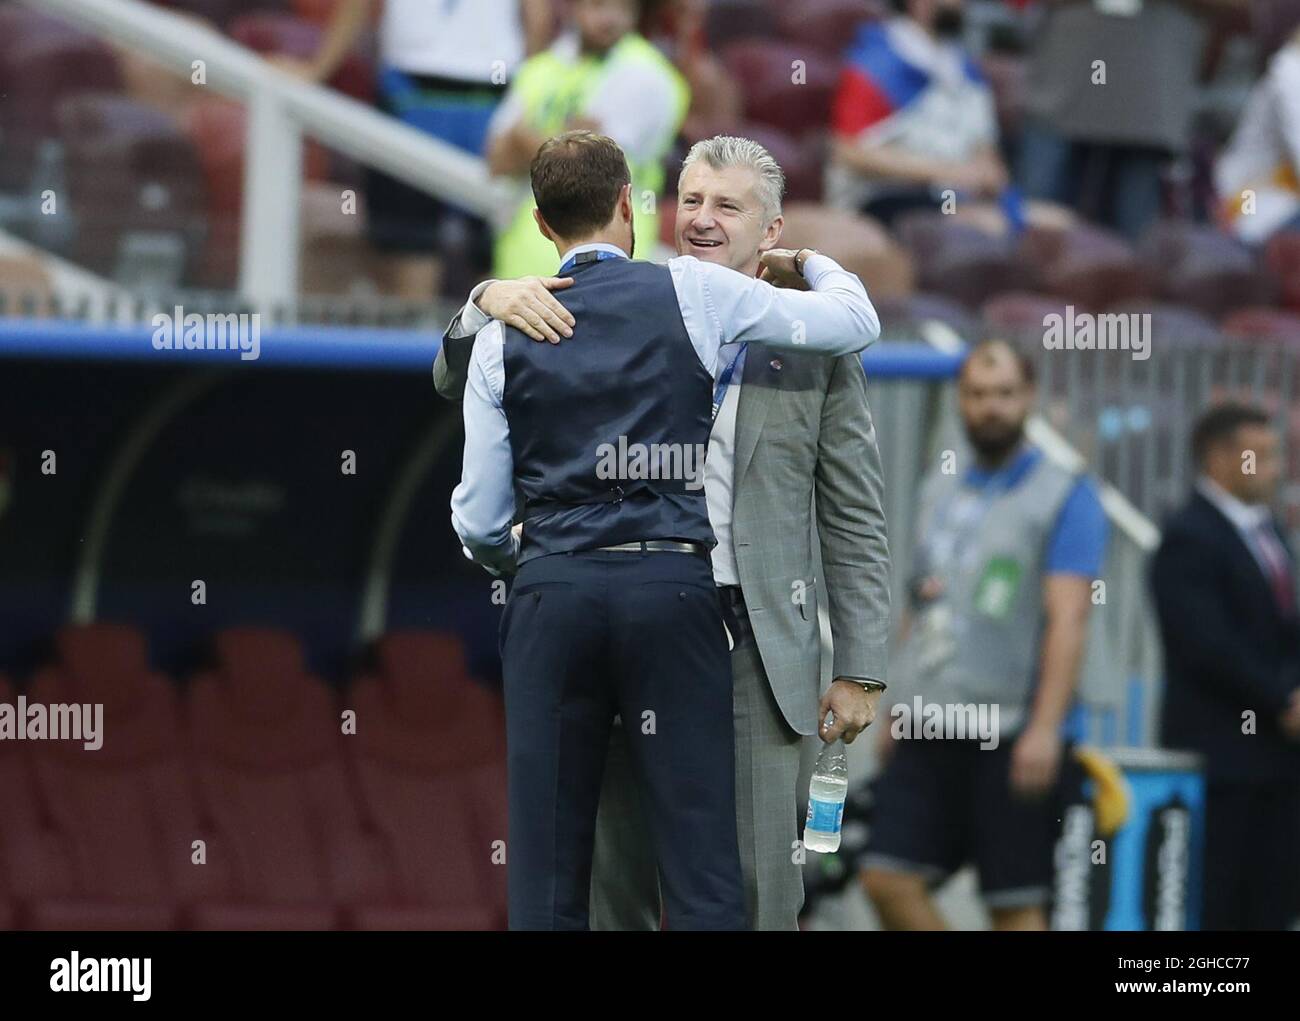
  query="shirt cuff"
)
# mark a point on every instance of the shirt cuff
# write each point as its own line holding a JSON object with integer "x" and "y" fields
{"x": 470, "y": 319}
{"x": 874, "y": 682}
{"x": 816, "y": 265}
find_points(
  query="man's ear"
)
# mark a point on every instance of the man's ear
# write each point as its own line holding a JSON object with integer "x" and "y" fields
{"x": 625, "y": 203}
{"x": 541, "y": 225}
{"x": 772, "y": 235}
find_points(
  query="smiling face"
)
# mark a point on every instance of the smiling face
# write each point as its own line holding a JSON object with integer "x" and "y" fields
{"x": 720, "y": 217}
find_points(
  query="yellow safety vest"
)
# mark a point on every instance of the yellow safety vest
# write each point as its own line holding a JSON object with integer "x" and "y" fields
{"x": 554, "y": 89}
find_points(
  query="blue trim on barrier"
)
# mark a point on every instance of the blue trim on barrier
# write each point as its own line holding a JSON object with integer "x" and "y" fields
{"x": 343, "y": 347}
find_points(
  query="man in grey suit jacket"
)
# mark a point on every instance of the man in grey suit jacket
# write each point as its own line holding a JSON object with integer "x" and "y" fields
{"x": 793, "y": 440}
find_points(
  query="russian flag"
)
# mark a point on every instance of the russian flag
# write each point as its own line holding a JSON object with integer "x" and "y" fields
{"x": 877, "y": 81}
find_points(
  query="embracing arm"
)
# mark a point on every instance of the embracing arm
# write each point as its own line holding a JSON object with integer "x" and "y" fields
{"x": 525, "y": 304}
{"x": 483, "y": 504}
{"x": 721, "y": 306}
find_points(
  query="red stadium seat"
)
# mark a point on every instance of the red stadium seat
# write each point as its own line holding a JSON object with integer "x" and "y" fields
{"x": 1282, "y": 257}
{"x": 801, "y": 159}
{"x": 221, "y": 12}
{"x": 126, "y": 810}
{"x": 960, "y": 260}
{"x": 1087, "y": 266}
{"x": 768, "y": 72}
{"x": 1200, "y": 266}
{"x": 1019, "y": 316}
{"x": 826, "y": 24}
{"x": 430, "y": 754}
{"x": 1174, "y": 326}
{"x": 35, "y": 863}
{"x": 902, "y": 316}
{"x": 272, "y": 776}
{"x": 859, "y": 243}
{"x": 1007, "y": 75}
{"x": 727, "y": 21}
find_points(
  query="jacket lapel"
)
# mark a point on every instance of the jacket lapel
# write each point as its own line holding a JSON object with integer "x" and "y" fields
{"x": 756, "y": 396}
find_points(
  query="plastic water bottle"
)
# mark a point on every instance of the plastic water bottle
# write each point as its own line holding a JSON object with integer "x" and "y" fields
{"x": 826, "y": 794}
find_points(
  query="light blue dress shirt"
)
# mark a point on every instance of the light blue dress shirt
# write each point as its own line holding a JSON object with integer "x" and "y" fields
{"x": 720, "y": 308}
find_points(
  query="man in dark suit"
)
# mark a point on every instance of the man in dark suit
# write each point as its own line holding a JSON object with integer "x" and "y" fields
{"x": 1224, "y": 586}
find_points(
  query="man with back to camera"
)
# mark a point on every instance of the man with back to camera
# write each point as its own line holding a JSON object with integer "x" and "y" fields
{"x": 614, "y": 604}
{"x": 788, "y": 426}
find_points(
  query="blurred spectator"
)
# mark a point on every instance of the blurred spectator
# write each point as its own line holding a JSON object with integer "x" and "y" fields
{"x": 1224, "y": 586}
{"x": 1263, "y": 155}
{"x": 444, "y": 67}
{"x": 1007, "y": 550}
{"x": 1111, "y": 90}
{"x": 914, "y": 117}
{"x": 601, "y": 75}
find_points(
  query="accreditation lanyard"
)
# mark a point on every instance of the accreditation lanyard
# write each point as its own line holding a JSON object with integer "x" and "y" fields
{"x": 591, "y": 255}
{"x": 724, "y": 381}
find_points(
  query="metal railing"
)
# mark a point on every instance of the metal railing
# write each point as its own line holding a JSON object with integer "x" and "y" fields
{"x": 282, "y": 109}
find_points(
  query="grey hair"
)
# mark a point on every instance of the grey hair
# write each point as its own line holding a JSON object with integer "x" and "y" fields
{"x": 723, "y": 151}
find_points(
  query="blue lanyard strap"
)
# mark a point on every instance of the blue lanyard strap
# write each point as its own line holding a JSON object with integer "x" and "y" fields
{"x": 591, "y": 255}
{"x": 724, "y": 381}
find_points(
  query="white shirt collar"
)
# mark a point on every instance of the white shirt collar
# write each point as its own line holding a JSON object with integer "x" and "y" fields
{"x": 1245, "y": 517}
{"x": 595, "y": 246}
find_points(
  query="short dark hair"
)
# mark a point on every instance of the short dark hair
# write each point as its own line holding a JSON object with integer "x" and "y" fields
{"x": 1028, "y": 374}
{"x": 1220, "y": 423}
{"x": 577, "y": 177}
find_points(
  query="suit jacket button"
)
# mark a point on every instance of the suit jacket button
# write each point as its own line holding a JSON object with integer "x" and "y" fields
{"x": 776, "y": 364}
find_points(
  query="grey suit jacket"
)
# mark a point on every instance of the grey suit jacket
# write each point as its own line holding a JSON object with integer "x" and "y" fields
{"x": 804, "y": 439}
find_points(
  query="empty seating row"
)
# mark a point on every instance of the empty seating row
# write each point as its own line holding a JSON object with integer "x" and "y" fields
{"x": 254, "y": 798}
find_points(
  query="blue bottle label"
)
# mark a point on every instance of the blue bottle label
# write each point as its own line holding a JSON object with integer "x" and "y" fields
{"x": 825, "y": 816}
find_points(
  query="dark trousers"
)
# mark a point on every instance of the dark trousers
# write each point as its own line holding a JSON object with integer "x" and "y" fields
{"x": 1252, "y": 856}
{"x": 585, "y": 637}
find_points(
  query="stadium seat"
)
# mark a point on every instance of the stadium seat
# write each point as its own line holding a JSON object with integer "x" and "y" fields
{"x": 902, "y": 316}
{"x": 1282, "y": 257}
{"x": 801, "y": 159}
{"x": 127, "y": 809}
{"x": 960, "y": 260}
{"x": 1273, "y": 22}
{"x": 1087, "y": 266}
{"x": 132, "y": 174}
{"x": 828, "y": 25}
{"x": 430, "y": 755}
{"x": 35, "y": 863}
{"x": 859, "y": 243}
{"x": 1200, "y": 266}
{"x": 1174, "y": 326}
{"x": 272, "y": 776}
{"x": 222, "y": 12}
{"x": 1019, "y": 316}
{"x": 766, "y": 72}
{"x": 727, "y": 21}
{"x": 1007, "y": 75}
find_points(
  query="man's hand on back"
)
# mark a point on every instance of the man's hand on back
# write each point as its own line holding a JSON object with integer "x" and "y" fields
{"x": 528, "y": 305}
